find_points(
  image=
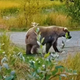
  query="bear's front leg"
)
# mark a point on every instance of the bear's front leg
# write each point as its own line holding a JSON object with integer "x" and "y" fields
{"x": 55, "y": 46}
{"x": 48, "y": 45}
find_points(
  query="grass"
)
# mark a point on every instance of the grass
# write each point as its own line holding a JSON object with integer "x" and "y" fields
{"x": 17, "y": 3}
{"x": 73, "y": 62}
{"x": 8, "y": 4}
{"x": 49, "y": 4}
{"x": 45, "y": 12}
{"x": 20, "y": 62}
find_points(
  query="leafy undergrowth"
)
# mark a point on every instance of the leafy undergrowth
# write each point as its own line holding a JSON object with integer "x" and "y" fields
{"x": 16, "y": 65}
{"x": 11, "y": 60}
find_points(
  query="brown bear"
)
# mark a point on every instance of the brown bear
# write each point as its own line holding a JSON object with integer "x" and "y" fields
{"x": 50, "y": 35}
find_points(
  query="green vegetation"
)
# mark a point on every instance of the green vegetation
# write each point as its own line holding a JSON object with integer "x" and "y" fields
{"x": 18, "y": 14}
{"x": 74, "y": 12}
{"x": 15, "y": 65}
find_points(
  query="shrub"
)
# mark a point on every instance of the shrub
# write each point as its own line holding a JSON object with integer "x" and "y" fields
{"x": 74, "y": 11}
{"x": 12, "y": 61}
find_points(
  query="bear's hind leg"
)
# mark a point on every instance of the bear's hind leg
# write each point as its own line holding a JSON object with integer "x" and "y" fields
{"x": 34, "y": 49}
{"x": 28, "y": 49}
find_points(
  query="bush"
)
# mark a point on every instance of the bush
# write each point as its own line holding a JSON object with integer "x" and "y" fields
{"x": 12, "y": 61}
{"x": 74, "y": 11}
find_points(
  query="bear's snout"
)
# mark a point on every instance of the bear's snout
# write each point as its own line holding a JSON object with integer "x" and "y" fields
{"x": 70, "y": 37}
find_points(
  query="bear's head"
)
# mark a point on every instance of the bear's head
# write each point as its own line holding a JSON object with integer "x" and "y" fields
{"x": 64, "y": 32}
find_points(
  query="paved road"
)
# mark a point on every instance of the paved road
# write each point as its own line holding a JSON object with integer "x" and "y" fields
{"x": 73, "y": 45}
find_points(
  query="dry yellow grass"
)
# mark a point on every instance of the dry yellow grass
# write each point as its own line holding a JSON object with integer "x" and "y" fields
{"x": 42, "y": 19}
{"x": 59, "y": 19}
{"x": 73, "y": 62}
{"x": 8, "y": 4}
{"x": 49, "y": 3}
{"x": 2, "y": 24}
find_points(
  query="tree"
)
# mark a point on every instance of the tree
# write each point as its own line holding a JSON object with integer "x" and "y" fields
{"x": 74, "y": 11}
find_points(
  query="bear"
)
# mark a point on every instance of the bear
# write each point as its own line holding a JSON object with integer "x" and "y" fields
{"x": 50, "y": 35}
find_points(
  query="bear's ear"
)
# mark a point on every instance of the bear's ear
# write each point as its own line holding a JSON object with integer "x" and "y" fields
{"x": 34, "y": 24}
{"x": 65, "y": 28}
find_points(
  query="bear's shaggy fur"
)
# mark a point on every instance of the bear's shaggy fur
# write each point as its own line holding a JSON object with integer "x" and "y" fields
{"x": 50, "y": 35}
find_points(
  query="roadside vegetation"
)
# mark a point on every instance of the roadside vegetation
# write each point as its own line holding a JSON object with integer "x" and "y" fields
{"x": 16, "y": 65}
{"x": 17, "y": 15}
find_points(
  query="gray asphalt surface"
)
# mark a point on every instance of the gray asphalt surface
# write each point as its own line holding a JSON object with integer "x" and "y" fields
{"x": 72, "y": 45}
